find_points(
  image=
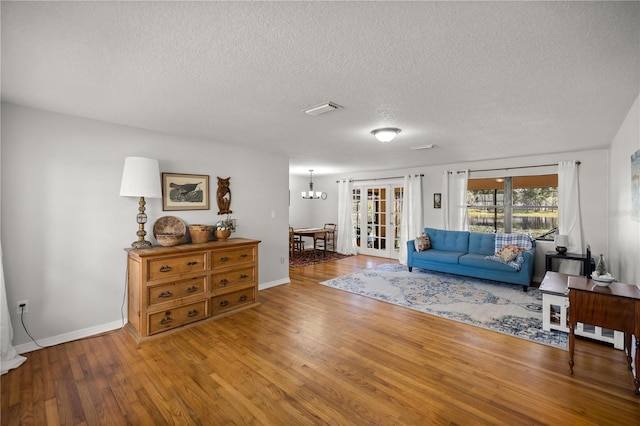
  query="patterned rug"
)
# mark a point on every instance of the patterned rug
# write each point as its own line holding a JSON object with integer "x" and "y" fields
{"x": 308, "y": 257}
{"x": 500, "y": 307}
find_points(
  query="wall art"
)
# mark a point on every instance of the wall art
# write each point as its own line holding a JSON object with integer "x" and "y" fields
{"x": 185, "y": 191}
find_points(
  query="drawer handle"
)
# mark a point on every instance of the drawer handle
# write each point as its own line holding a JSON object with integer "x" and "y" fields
{"x": 224, "y": 281}
{"x": 165, "y": 294}
{"x": 224, "y": 303}
{"x": 243, "y": 255}
{"x": 193, "y": 313}
{"x": 192, "y": 289}
{"x": 224, "y": 259}
{"x": 167, "y": 319}
{"x": 243, "y": 298}
{"x": 193, "y": 262}
{"x": 244, "y": 276}
{"x": 165, "y": 268}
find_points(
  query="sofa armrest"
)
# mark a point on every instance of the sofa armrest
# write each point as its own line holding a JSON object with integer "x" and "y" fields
{"x": 529, "y": 259}
{"x": 411, "y": 248}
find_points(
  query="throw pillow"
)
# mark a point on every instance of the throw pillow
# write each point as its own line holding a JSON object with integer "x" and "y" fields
{"x": 509, "y": 252}
{"x": 423, "y": 243}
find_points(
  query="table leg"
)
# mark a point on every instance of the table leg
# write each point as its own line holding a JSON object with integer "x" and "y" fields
{"x": 572, "y": 344}
{"x": 627, "y": 349}
{"x": 636, "y": 379}
{"x": 325, "y": 245}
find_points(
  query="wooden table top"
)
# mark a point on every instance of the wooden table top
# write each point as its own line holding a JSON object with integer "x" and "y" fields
{"x": 615, "y": 288}
{"x": 554, "y": 283}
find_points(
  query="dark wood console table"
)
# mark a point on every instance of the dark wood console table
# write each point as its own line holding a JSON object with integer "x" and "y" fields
{"x": 616, "y": 307}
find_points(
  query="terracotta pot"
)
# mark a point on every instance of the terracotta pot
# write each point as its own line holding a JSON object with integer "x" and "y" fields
{"x": 222, "y": 234}
{"x": 200, "y": 233}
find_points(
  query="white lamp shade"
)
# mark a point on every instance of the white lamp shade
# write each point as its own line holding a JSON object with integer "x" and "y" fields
{"x": 562, "y": 240}
{"x": 140, "y": 178}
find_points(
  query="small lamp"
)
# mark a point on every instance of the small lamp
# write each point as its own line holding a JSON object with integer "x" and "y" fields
{"x": 141, "y": 178}
{"x": 561, "y": 241}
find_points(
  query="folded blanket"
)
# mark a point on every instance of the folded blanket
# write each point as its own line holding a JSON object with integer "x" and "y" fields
{"x": 508, "y": 248}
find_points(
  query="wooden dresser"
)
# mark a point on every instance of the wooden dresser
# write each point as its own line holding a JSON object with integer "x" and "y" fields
{"x": 173, "y": 286}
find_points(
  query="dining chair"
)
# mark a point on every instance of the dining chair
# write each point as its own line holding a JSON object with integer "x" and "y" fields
{"x": 296, "y": 245}
{"x": 329, "y": 239}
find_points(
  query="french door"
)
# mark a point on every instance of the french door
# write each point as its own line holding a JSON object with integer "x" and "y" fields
{"x": 377, "y": 215}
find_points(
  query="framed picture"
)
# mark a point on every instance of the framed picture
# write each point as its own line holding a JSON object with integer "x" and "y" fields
{"x": 185, "y": 192}
{"x": 437, "y": 200}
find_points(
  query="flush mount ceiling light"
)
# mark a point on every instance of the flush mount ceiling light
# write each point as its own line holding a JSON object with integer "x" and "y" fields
{"x": 322, "y": 108}
{"x": 386, "y": 134}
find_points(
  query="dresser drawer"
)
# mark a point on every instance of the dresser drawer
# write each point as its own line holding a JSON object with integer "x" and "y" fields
{"x": 233, "y": 278}
{"x": 229, "y": 301}
{"x": 232, "y": 257}
{"x": 172, "y": 266}
{"x": 175, "y": 290}
{"x": 172, "y": 318}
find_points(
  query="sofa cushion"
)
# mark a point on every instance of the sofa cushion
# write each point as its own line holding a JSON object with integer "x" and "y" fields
{"x": 455, "y": 241}
{"x": 441, "y": 256}
{"x": 481, "y": 261}
{"x": 483, "y": 244}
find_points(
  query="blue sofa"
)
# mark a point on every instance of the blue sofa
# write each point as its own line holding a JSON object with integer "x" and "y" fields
{"x": 464, "y": 253}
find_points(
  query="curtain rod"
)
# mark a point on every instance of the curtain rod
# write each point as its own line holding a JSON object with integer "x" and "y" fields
{"x": 374, "y": 179}
{"x": 519, "y": 167}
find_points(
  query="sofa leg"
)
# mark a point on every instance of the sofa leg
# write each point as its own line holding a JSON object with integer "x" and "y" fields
{"x": 410, "y": 268}
{"x": 525, "y": 288}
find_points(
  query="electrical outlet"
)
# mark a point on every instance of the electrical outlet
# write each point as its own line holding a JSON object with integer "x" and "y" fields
{"x": 22, "y": 307}
{"x": 282, "y": 260}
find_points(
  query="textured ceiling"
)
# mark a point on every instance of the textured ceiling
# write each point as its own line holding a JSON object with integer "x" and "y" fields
{"x": 479, "y": 80}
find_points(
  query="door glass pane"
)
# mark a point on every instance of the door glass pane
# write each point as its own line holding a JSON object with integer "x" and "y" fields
{"x": 376, "y": 218}
{"x": 398, "y": 199}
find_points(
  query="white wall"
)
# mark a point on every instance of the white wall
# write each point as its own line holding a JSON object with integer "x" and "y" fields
{"x": 593, "y": 186}
{"x": 624, "y": 231}
{"x": 65, "y": 227}
{"x": 313, "y": 213}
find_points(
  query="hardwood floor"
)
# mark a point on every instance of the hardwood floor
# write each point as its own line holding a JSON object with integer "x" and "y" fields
{"x": 311, "y": 354}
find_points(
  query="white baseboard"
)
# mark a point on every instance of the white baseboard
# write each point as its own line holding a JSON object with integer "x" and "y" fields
{"x": 270, "y": 284}
{"x": 68, "y": 337}
{"x": 91, "y": 331}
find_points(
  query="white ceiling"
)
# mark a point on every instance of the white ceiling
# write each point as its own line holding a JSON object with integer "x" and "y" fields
{"x": 479, "y": 80}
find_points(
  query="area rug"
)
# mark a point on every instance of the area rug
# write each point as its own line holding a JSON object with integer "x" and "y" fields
{"x": 308, "y": 257}
{"x": 500, "y": 307}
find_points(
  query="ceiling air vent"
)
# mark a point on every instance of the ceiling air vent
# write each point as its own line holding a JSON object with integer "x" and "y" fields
{"x": 322, "y": 108}
{"x": 417, "y": 148}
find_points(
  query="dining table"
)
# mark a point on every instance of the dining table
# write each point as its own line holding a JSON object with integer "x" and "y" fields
{"x": 316, "y": 234}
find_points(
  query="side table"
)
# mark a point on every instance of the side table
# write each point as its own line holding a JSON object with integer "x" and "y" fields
{"x": 555, "y": 312}
{"x": 616, "y": 306}
{"x": 587, "y": 261}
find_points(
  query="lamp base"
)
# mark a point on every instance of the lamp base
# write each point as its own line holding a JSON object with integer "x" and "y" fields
{"x": 141, "y": 244}
{"x": 561, "y": 250}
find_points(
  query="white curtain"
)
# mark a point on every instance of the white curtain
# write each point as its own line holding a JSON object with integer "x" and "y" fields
{"x": 569, "y": 218}
{"x": 10, "y": 357}
{"x": 412, "y": 224}
{"x": 454, "y": 199}
{"x": 346, "y": 239}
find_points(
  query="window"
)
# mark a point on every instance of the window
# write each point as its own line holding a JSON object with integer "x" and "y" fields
{"x": 519, "y": 204}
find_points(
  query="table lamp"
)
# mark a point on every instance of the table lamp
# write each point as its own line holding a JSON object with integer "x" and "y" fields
{"x": 141, "y": 178}
{"x": 561, "y": 241}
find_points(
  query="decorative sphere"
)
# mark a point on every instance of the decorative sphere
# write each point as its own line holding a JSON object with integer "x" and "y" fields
{"x": 561, "y": 250}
